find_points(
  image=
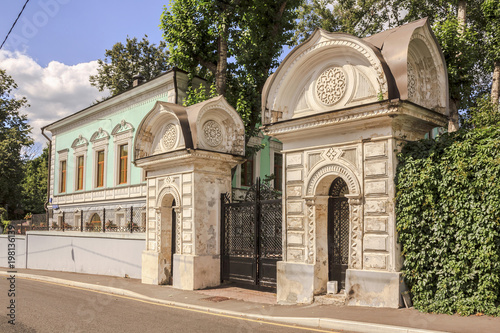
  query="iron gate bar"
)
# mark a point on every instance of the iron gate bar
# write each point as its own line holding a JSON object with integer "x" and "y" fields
{"x": 251, "y": 237}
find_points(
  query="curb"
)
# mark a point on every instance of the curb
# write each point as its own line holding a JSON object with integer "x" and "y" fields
{"x": 325, "y": 323}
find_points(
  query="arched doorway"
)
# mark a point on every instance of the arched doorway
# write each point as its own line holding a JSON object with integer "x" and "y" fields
{"x": 338, "y": 231}
{"x": 168, "y": 236}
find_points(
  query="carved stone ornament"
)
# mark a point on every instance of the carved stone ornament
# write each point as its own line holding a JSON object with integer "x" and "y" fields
{"x": 331, "y": 86}
{"x": 170, "y": 137}
{"x": 212, "y": 133}
{"x": 412, "y": 81}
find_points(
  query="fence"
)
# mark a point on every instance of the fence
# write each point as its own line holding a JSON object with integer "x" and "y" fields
{"x": 128, "y": 219}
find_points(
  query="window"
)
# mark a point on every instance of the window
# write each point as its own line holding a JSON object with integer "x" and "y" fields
{"x": 278, "y": 171}
{"x": 100, "y": 169}
{"x": 247, "y": 172}
{"x": 79, "y": 173}
{"x": 62, "y": 177}
{"x": 123, "y": 164}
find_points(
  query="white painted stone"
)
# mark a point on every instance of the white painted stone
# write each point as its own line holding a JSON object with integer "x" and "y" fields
{"x": 294, "y": 175}
{"x": 375, "y": 206}
{"x": 376, "y": 187}
{"x": 295, "y": 254}
{"x": 375, "y": 242}
{"x": 294, "y": 159}
{"x": 187, "y": 225}
{"x": 376, "y": 168}
{"x": 186, "y": 188}
{"x": 295, "y": 238}
{"x": 375, "y": 261}
{"x": 187, "y": 237}
{"x": 295, "y": 222}
{"x": 375, "y": 224}
{"x": 186, "y": 200}
{"x": 376, "y": 149}
{"x": 294, "y": 207}
{"x": 187, "y": 213}
{"x": 186, "y": 178}
{"x": 187, "y": 249}
{"x": 294, "y": 190}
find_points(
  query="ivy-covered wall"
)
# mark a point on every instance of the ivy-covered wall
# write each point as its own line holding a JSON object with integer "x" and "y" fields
{"x": 448, "y": 219}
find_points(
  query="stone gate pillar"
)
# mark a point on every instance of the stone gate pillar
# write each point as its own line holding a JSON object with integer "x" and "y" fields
{"x": 342, "y": 107}
{"x": 187, "y": 154}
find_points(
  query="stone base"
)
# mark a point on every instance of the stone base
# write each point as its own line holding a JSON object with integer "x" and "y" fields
{"x": 376, "y": 289}
{"x": 196, "y": 272}
{"x": 155, "y": 268}
{"x": 295, "y": 283}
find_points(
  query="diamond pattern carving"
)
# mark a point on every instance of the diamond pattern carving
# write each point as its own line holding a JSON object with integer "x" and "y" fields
{"x": 334, "y": 153}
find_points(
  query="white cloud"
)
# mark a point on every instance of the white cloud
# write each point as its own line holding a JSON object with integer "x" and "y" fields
{"x": 53, "y": 92}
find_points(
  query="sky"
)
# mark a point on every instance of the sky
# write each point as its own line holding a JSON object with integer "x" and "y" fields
{"x": 54, "y": 47}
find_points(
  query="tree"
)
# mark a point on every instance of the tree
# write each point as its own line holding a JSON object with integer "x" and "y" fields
{"x": 14, "y": 137}
{"x": 35, "y": 183}
{"x": 234, "y": 43}
{"x": 359, "y": 18}
{"x": 491, "y": 14}
{"x": 123, "y": 62}
{"x": 457, "y": 26}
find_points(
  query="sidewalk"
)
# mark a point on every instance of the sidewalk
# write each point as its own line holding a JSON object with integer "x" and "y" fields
{"x": 261, "y": 305}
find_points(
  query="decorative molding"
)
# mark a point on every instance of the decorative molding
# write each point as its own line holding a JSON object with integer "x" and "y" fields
{"x": 212, "y": 133}
{"x": 355, "y": 214}
{"x": 337, "y": 170}
{"x": 122, "y": 127}
{"x": 79, "y": 142}
{"x": 99, "y": 135}
{"x": 334, "y": 153}
{"x": 331, "y": 86}
{"x": 169, "y": 139}
{"x": 311, "y": 237}
{"x": 178, "y": 230}
{"x": 357, "y": 46}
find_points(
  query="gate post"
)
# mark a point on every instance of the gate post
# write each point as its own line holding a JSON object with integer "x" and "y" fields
{"x": 222, "y": 233}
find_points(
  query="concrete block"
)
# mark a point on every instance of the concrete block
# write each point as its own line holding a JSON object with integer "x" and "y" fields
{"x": 295, "y": 283}
{"x": 332, "y": 287}
{"x": 376, "y": 289}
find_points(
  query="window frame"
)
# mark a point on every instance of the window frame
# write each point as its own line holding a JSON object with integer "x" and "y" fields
{"x": 79, "y": 168}
{"x": 123, "y": 167}
{"x": 123, "y": 134}
{"x": 100, "y": 169}
{"x": 100, "y": 142}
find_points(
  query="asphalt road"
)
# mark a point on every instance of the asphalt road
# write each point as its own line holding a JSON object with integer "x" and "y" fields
{"x": 46, "y": 307}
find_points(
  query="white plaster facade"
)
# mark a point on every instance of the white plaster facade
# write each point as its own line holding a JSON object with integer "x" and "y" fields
{"x": 342, "y": 107}
{"x": 188, "y": 154}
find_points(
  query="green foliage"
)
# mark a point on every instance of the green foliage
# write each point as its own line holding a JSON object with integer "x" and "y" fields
{"x": 123, "y": 62}
{"x": 360, "y": 18}
{"x": 200, "y": 94}
{"x": 235, "y": 43}
{"x": 448, "y": 219}
{"x": 14, "y": 138}
{"x": 484, "y": 114}
{"x": 35, "y": 183}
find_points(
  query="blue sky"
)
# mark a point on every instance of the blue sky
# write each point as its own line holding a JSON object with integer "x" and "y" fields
{"x": 75, "y": 31}
{"x": 54, "y": 46}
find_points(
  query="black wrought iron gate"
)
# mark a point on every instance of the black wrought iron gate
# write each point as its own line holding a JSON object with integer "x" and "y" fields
{"x": 251, "y": 237}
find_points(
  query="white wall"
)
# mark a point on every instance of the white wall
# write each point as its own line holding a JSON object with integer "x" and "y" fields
{"x": 20, "y": 249}
{"x": 114, "y": 254}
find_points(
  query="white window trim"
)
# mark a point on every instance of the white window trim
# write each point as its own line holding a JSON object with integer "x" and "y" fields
{"x": 97, "y": 147}
{"x": 121, "y": 138}
{"x": 77, "y": 217}
{"x": 63, "y": 157}
{"x": 80, "y": 150}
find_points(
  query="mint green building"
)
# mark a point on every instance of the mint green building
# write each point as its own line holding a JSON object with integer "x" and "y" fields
{"x": 93, "y": 179}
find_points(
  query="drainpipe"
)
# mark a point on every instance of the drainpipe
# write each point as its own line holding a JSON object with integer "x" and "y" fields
{"x": 48, "y": 179}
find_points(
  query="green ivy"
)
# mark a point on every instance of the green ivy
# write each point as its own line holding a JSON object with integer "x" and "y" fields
{"x": 448, "y": 219}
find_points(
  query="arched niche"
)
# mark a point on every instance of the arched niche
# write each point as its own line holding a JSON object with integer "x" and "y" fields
{"x": 212, "y": 125}
{"x": 327, "y": 72}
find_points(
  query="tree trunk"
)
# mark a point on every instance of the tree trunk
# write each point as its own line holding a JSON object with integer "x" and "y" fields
{"x": 462, "y": 15}
{"x": 220, "y": 76}
{"x": 453, "y": 121}
{"x": 495, "y": 86}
